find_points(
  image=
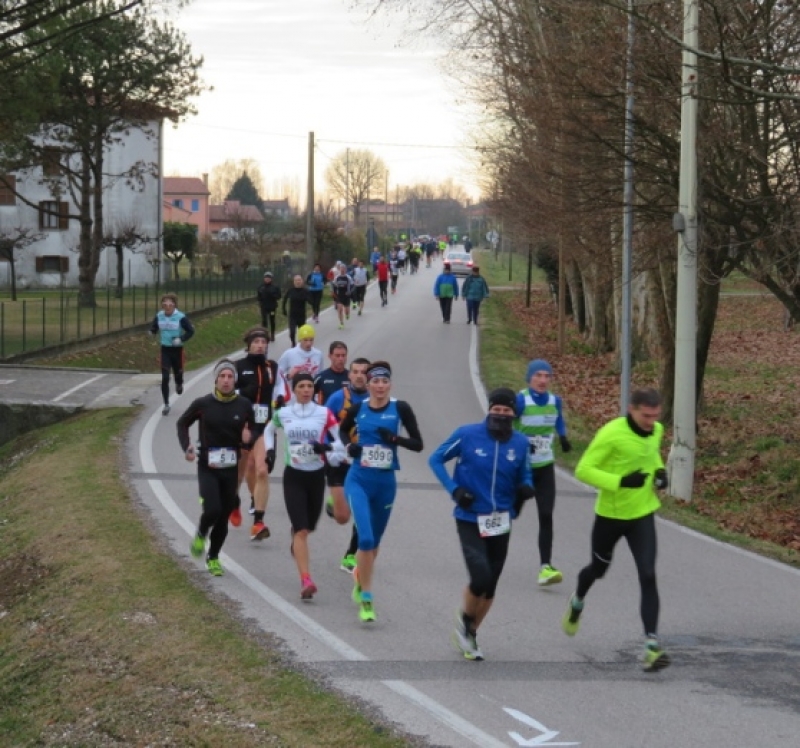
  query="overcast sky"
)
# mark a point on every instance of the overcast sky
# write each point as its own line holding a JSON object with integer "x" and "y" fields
{"x": 282, "y": 68}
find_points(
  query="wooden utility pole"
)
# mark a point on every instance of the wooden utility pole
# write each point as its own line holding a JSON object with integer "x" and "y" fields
{"x": 310, "y": 236}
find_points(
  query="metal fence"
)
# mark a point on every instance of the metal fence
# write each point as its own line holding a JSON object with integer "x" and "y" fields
{"x": 42, "y": 318}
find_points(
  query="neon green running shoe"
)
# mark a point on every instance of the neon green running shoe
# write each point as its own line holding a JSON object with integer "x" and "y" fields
{"x": 329, "y": 507}
{"x": 214, "y": 567}
{"x": 655, "y": 658}
{"x": 549, "y": 575}
{"x": 572, "y": 617}
{"x": 198, "y": 546}
{"x": 356, "y": 595}
{"x": 366, "y": 611}
{"x": 348, "y": 563}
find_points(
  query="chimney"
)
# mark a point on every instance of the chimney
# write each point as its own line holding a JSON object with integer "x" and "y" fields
{"x": 205, "y": 179}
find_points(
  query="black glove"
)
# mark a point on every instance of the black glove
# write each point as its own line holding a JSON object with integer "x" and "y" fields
{"x": 321, "y": 449}
{"x": 280, "y": 401}
{"x": 660, "y": 479}
{"x": 270, "y": 460}
{"x": 354, "y": 450}
{"x": 636, "y": 479}
{"x": 463, "y": 497}
{"x": 565, "y": 445}
{"x": 525, "y": 492}
{"x": 387, "y": 435}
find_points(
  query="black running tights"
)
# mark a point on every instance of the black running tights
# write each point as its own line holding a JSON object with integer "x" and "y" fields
{"x": 218, "y": 487}
{"x": 641, "y": 536}
{"x": 484, "y": 557}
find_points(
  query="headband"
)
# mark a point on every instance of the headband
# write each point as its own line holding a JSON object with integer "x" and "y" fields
{"x": 379, "y": 371}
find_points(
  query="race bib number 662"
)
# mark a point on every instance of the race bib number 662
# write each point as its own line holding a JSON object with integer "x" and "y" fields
{"x": 496, "y": 523}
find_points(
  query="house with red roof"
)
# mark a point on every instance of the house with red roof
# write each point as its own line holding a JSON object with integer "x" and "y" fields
{"x": 186, "y": 200}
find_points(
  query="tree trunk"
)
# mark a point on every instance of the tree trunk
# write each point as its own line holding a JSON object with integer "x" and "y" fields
{"x": 575, "y": 300}
{"x": 175, "y": 265}
{"x": 98, "y": 196}
{"x": 86, "y": 296}
{"x": 13, "y": 266}
{"x": 120, "y": 250}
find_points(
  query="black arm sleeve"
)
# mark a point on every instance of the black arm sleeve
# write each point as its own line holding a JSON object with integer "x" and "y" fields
{"x": 348, "y": 422}
{"x": 414, "y": 439}
{"x": 190, "y": 415}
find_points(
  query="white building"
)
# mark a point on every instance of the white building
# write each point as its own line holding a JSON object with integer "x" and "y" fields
{"x": 48, "y": 204}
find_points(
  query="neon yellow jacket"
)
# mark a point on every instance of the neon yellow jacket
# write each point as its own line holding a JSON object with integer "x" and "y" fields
{"x": 615, "y": 451}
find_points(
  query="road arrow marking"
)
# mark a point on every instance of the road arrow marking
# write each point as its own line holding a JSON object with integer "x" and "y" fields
{"x": 543, "y": 739}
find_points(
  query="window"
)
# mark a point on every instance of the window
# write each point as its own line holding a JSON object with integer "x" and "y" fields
{"x": 52, "y": 264}
{"x": 51, "y": 162}
{"x": 177, "y": 202}
{"x": 53, "y": 215}
{"x": 8, "y": 184}
{"x": 195, "y": 206}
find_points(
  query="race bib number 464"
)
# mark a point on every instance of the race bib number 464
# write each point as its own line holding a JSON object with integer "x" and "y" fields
{"x": 301, "y": 453}
{"x": 377, "y": 456}
{"x": 496, "y": 523}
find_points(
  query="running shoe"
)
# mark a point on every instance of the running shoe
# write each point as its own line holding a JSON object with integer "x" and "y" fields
{"x": 465, "y": 642}
{"x": 366, "y": 611}
{"x": 165, "y": 410}
{"x": 571, "y": 621}
{"x": 236, "y": 517}
{"x": 214, "y": 567}
{"x": 252, "y": 509}
{"x": 307, "y": 588}
{"x": 329, "y": 506}
{"x": 356, "y": 594}
{"x": 198, "y": 545}
{"x": 348, "y": 563}
{"x": 178, "y": 389}
{"x": 655, "y": 658}
{"x": 359, "y": 312}
{"x": 259, "y": 531}
{"x": 341, "y": 327}
{"x": 549, "y": 575}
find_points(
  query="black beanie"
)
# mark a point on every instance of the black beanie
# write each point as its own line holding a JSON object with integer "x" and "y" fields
{"x": 503, "y": 396}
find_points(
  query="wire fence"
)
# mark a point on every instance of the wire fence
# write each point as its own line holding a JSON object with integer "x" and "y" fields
{"x": 43, "y": 318}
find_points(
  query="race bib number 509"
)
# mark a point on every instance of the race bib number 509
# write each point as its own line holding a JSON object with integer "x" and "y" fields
{"x": 377, "y": 456}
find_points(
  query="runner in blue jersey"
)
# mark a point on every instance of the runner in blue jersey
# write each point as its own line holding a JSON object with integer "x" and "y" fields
{"x": 371, "y": 484}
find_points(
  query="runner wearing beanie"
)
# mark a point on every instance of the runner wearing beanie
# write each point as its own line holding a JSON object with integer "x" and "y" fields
{"x": 491, "y": 480}
{"x": 260, "y": 381}
{"x": 311, "y": 440}
{"x": 226, "y": 422}
{"x": 540, "y": 417}
{"x": 303, "y": 357}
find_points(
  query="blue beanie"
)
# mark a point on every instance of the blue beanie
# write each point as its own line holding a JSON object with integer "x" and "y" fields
{"x": 538, "y": 364}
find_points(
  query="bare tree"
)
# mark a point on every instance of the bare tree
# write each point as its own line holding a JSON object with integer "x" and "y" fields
{"x": 122, "y": 234}
{"x": 223, "y": 177}
{"x": 354, "y": 176}
{"x": 11, "y": 242}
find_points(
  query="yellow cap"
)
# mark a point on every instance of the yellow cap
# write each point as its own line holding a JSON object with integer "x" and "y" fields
{"x": 306, "y": 332}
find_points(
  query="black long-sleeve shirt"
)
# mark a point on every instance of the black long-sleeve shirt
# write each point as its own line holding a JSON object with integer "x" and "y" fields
{"x": 297, "y": 298}
{"x": 220, "y": 423}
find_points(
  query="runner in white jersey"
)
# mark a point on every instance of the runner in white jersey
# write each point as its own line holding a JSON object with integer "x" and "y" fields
{"x": 360, "y": 280}
{"x": 303, "y": 357}
{"x": 311, "y": 438}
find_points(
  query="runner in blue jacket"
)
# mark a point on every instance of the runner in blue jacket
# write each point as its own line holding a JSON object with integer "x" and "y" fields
{"x": 491, "y": 480}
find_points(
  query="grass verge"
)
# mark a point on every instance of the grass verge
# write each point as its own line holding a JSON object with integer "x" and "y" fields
{"x": 105, "y": 640}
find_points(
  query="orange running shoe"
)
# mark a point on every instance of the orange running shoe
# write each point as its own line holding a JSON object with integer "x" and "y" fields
{"x": 236, "y": 517}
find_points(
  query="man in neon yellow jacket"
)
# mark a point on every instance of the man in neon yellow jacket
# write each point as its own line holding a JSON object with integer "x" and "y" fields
{"x": 624, "y": 463}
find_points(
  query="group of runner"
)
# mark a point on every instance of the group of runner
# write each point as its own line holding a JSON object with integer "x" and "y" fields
{"x": 341, "y": 427}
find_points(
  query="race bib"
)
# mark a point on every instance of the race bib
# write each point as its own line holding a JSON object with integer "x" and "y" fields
{"x": 261, "y": 413}
{"x": 496, "y": 523}
{"x": 302, "y": 453}
{"x": 377, "y": 456}
{"x": 221, "y": 457}
{"x": 543, "y": 443}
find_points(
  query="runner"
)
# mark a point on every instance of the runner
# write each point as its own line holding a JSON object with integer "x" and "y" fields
{"x": 337, "y": 507}
{"x": 259, "y": 380}
{"x": 342, "y": 288}
{"x": 401, "y": 259}
{"x": 445, "y": 289}
{"x": 383, "y": 280}
{"x": 474, "y": 290}
{"x": 394, "y": 270}
{"x": 371, "y": 483}
{"x": 316, "y": 284}
{"x": 333, "y": 378}
{"x": 490, "y": 481}
{"x": 540, "y": 417}
{"x": 307, "y": 428}
{"x": 174, "y": 329}
{"x": 226, "y": 421}
{"x": 624, "y": 462}
{"x": 269, "y": 296}
{"x": 297, "y": 297}
{"x": 360, "y": 280}
{"x": 303, "y": 357}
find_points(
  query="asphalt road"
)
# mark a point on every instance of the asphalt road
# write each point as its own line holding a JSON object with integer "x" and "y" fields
{"x": 729, "y": 618}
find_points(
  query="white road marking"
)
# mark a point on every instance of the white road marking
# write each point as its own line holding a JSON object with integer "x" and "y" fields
{"x": 77, "y": 387}
{"x": 7, "y": 381}
{"x": 543, "y": 739}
